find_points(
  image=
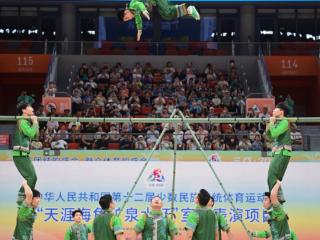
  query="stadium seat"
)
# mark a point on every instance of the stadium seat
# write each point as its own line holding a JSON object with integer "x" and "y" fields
{"x": 73, "y": 146}
{"x": 146, "y": 110}
{"x": 113, "y": 146}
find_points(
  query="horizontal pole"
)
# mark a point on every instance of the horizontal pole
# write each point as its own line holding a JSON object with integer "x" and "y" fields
{"x": 162, "y": 120}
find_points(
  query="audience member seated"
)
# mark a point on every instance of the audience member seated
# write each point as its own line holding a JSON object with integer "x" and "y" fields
{"x": 296, "y": 136}
{"x": 144, "y": 91}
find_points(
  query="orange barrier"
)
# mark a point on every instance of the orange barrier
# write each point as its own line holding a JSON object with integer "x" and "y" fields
{"x": 257, "y": 104}
{"x": 59, "y": 103}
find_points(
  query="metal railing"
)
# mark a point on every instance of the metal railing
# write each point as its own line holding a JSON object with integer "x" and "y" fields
{"x": 162, "y": 120}
{"x": 161, "y": 48}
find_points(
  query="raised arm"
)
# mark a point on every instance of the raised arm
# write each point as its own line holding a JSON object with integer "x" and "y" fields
{"x": 278, "y": 213}
{"x": 28, "y": 192}
{"x": 274, "y": 193}
{"x": 274, "y": 131}
{"x": 27, "y": 129}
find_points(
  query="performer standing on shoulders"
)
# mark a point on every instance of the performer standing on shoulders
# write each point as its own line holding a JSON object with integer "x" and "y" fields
{"x": 26, "y": 130}
{"x": 278, "y": 130}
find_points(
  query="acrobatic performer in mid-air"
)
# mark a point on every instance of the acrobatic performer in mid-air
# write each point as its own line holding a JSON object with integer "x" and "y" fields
{"x": 166, "y": 10}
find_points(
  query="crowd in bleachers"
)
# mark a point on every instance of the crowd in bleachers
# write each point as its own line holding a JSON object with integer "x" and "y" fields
{"x": 144, "y": 91}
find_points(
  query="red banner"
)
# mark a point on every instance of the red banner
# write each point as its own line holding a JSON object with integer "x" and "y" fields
{"x": 24, "y": 63}
{"x": 292, "y": 65}
{"x": 257, "y": 104}
{"x": 59, "y": 103}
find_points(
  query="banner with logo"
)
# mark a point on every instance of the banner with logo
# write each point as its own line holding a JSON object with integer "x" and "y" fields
{"x": 163, "y": 155}
{"x": 59, "y": 103}
{"x": 257, "y": 104}
{"x": 66, "y": 186}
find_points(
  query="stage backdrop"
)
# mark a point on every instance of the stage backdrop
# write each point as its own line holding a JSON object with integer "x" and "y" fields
{"x": 79, "y": 184}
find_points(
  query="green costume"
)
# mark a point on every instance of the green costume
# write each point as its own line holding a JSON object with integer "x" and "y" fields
{"x": 25, "y": 218}
{"x": 202, "y": 221}
{"x": 279, "y": 227}
{"x": 155, "y": 226}
{"x": 106, "y": 226}
{"x": 281, "y": 151}
{"x": 166, "y": 10}
{"x": 222, "y": 224}
{"x": 267, "y": 234}
{"x": 77, "y": 232}
{"x": 25, "y": 132}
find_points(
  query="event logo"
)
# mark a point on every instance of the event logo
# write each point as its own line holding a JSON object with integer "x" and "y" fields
{"x": 215, "y": 157}
{"x": 156, "y": 179}
{"x": 50, "y": 106}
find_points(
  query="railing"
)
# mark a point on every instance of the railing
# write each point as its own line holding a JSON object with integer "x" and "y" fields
{"x": 163, "y": 120}
{"x": 161, "y": 48}
{"x": 144, "y": 141}
{"x": 210, "y": 141}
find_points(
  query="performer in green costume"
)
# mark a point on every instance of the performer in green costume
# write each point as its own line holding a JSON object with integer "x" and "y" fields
{"x": 107, "y": 226}
{"x": 278, "y": 130}
{"x": 166, "y": 10}
{"x": 26, "y": 215}
{"x": 26, "y": 130}
{"x": 222, "y": 224}
{"x": 155, "y": 226}
{"x": 202, "y": 223}
{"x": 78, "y": 230}
{"x": 278, "y": 219}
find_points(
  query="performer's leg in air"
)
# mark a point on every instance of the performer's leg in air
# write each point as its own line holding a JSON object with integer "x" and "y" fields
{"x": 137, "y": 8}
